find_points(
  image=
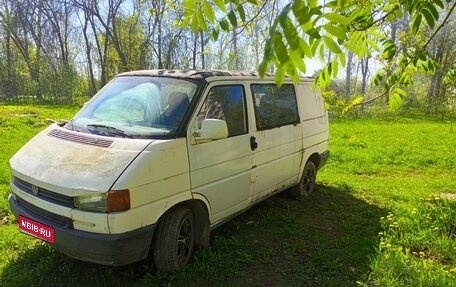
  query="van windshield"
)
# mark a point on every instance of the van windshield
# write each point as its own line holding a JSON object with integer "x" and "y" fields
{"x": 136, "y": 107}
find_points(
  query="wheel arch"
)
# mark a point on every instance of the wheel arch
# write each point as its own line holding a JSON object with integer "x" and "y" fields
{"x": 315, "y": 158}
{"x": 200, "y": 216}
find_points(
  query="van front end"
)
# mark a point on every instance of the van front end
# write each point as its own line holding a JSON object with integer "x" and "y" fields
{"x": 97, "y": 186}
{"x": 101, "y": 248}
{"x": 67, "y": 187}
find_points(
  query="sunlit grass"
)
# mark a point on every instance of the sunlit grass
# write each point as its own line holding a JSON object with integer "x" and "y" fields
{"x": 403, "y": 167}
{"x": 376, "y": 219}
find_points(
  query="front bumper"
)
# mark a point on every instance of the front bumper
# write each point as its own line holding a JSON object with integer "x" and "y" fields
{"x": 106, "y": 249}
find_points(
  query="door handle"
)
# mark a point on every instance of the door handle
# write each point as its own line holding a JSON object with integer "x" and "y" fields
{"x": 253, "y": 143}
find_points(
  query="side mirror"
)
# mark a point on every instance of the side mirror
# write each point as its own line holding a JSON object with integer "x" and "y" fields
{"x": 211, "y": 129}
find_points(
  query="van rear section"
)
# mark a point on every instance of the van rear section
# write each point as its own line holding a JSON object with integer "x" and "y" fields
{"x": 315, "y": 124}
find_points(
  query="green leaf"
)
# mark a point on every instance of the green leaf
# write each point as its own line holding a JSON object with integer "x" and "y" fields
{"x": 373, "y": 44}
{"x": 201, "y": 22}
{"x": 394, "y": 16}
{"x": 337, "y": 18}
{"x": 329, "y": 68}
{"x": 301, "y": 11}
{"x": 332, "y": 46}
{"x": 279, "y": 76}
{"x": 439, "y": 3}
{"x": 268, "y": 50}
{"x": 431, "y": 8}
{"x": 315, "y": 46}
{"x": 389, "y": 49}
{"x": 194, "y": 24}
{"x": 432, "y": 66}
{"x": 416, "y": 23}
{"x": 298, "y": 7}
{"x": 263, "y": 67}
{"x": 280, "y": 49}
{"x": 254, "y": 2}
{"x": 209, "y": 12}
{"x": 290, "y": 32}
{"x": 297, "y": 60}
{"x": 429, "y": 18}
{"x": 335, "y": 69}
{"x": 336, "y": 31}
{"x": 396, "y": 98}
{"x": 450, "y": 77}
{"x": 342, "y": 59}
{"x": 224, "y": 25}
{"x": 186, "y": 22}
{"x": 305, "y": 48}
{"x": 215, "y": 34}
{"x": 232, "y": 18}
{"x": 189, "y": 4}
{"x": 313, "y": 33}
{"x": 332, "y": 4}
{"x": 401, "y": 92}
{"x": 378, "y": 78}
{"x": 220, "y": 4}
{"x": 241, "y": 12}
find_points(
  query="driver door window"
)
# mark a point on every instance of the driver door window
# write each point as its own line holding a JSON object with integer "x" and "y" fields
{"x": 226, "y": 103}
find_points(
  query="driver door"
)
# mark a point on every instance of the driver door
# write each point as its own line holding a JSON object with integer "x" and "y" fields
{"x": 220, "y": 170}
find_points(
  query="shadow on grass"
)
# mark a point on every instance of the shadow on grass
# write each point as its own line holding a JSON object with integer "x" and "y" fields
{"x": 327, "y": 239}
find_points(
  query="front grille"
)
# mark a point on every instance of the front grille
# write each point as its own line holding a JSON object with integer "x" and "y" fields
{"x": 79, "y": 138}
{"x": 41, "y": 213}
{"x": 43, "y": 194}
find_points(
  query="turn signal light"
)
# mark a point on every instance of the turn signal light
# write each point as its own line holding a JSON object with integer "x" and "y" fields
{"x": 118, "y": 200}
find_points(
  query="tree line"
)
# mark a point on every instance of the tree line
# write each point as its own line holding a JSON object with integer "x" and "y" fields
{"x": 54, "y": 51}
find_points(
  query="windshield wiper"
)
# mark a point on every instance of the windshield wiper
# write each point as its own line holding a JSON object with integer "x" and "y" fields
{"x": 108, "y": 130}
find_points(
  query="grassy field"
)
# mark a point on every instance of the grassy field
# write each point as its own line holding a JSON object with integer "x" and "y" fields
{"x": 378, "y": 218}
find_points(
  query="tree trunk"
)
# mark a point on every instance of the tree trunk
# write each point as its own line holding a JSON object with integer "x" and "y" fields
{"x": 348, "y": 74}
{"x": 92, "y": 82}
{"x": 203, "y": 46}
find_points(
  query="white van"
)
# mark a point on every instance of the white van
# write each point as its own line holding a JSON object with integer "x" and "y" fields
{"x": 158, "y": 158}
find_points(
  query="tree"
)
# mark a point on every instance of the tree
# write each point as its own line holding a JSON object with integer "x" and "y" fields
{"x": 442, "y": 51}
{"x": 308, "y": 28}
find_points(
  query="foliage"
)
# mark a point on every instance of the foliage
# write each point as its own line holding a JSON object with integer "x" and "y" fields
{"x": 308, "y": 29}
{"x": 337, "y": 106}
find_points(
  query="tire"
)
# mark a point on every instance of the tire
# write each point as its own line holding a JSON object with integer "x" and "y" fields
{"x": 306, "y": 185}
{"x": 174, "y": 240}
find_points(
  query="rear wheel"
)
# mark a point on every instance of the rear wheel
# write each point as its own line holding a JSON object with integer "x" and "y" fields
{"x": 306, "y": 185}
{"x": 174, "y": 240}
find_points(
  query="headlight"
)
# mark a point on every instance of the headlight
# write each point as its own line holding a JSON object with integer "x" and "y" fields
{"x": 111, "y": 201}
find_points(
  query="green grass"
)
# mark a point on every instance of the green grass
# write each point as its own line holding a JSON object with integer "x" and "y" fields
{"x": 376, "y": 219}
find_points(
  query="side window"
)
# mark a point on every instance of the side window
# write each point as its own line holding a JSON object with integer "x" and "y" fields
{"x": 274, "y": 107}
{"x": 226, "y": 103}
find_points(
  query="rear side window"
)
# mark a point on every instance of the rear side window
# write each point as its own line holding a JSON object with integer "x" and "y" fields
{"x": 226, "y": 103}
{"x": 274, "y": 106}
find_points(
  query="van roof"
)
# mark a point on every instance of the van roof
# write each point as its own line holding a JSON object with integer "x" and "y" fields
{"x": 203, "y": 74}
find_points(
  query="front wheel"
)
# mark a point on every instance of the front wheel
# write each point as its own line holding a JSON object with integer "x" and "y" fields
{"x": 306, "y": 185}
{"x": 174, "y": 240}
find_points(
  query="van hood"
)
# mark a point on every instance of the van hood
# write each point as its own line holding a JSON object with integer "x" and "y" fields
{"x": 74, "y": 163}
